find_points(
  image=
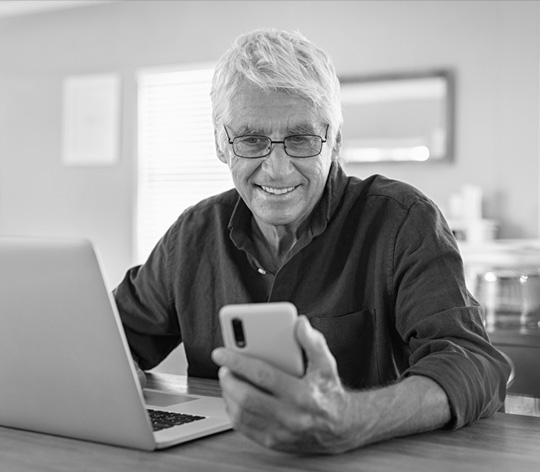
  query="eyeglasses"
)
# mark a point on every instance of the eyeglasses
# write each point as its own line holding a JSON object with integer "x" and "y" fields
{"x": 298, "y": 145}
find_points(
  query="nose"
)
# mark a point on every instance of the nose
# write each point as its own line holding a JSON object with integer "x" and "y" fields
{"x": 277, "y": 164}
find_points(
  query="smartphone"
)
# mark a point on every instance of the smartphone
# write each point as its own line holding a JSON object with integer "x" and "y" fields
{"x": 265, "y": 331}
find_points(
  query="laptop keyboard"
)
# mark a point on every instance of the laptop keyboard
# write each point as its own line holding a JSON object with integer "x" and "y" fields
{"x": 167, "y": 419}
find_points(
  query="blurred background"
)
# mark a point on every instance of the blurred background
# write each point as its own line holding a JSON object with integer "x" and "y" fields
{"x": 493, "y": 48}
{"x": 148, "y": 52}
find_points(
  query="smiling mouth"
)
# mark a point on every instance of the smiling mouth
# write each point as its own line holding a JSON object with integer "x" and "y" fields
{"x": 277, "y": 191}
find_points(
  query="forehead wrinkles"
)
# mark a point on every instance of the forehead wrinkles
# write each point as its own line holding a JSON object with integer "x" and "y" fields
{"x": 257, "y": 111}
{"x": 288, "y": 129}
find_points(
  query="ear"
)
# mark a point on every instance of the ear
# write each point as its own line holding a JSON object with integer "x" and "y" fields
{"x": 220, "y": 154}
{"x": 336, "y": 150}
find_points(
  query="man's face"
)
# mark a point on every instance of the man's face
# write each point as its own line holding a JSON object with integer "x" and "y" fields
{"x": 278, "y": 189}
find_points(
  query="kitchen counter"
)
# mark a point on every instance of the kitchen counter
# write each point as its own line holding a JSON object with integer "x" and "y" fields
{"x": 523, "y": 347}
{"x": 520, "y": 344}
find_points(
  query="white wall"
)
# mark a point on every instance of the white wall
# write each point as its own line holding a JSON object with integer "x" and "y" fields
{"x": 493, "y": 47}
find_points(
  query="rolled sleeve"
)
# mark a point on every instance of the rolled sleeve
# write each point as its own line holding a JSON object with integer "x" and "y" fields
{"x": 146, "y": 307}
{"x": 441, "y": 322}
{"x": 451, "y": 349}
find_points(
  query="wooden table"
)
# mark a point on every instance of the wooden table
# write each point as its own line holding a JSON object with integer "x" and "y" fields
{"x": 504, "y": 442}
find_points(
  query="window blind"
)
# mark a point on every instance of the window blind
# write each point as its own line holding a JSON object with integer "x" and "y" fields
{"x": 177, "y": 163}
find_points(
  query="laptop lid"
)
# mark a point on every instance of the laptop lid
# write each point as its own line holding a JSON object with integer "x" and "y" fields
{"x": 64, "y": 359}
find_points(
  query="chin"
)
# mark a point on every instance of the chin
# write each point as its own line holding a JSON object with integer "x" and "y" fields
{"x": 279, "y": 216}
{"x": 278, "y": 220}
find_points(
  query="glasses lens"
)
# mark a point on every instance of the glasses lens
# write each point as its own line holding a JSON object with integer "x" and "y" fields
{"x": 303, "y": 146}
{"x": 251, "y": 146}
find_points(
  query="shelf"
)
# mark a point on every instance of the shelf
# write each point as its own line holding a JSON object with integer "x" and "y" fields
{"x": 515, "y": 337}
{"x": 502, "y": 253}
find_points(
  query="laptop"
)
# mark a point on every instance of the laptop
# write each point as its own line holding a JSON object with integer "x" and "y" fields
{"x": 65, "y": 364}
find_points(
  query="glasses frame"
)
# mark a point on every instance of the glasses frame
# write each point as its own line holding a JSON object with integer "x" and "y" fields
{"x": 272, "y": 142}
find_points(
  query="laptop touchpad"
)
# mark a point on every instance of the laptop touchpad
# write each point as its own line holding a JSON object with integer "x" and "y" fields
{"x": 151, "y": 397}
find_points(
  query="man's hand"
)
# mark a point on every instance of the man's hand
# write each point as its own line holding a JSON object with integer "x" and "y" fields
{"x": 315, "y": 414}
{"x": 308, "y": 414}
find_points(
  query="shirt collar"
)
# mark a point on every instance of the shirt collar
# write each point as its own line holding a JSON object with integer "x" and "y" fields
{"x": 333, "y": 192}
{"x": 240, "y": 221}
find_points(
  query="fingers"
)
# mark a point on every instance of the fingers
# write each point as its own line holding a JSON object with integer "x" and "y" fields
{"x": 280, "y": 424}
{"x": 255, "y": 371}
{"x": 243, "y": 398}
{"x": 261, "y": 416}
{"x": 279, "y": 410}
{"x": 314, "y": 345}
{"x": 321, "y": 366}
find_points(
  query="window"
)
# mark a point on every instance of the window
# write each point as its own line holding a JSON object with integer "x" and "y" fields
{"x": 177, "y": 162}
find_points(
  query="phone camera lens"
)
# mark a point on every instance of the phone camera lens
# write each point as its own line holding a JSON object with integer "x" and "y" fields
{"x": 238, "y": 330}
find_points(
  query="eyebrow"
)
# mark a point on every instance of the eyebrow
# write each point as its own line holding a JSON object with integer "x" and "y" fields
{"x": 246, "y": 129}
{"x": 294, "y": 130}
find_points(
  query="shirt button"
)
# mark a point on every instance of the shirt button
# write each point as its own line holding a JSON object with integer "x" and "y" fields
{"x": 261, "y": 271}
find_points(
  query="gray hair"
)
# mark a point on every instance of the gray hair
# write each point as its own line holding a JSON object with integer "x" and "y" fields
{"x": 280, "y": 61}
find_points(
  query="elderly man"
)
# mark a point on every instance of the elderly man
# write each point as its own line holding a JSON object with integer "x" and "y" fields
{"x": 394, "y": 343}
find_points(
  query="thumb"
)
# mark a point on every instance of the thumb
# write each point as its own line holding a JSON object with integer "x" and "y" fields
{"x": 313, "y": 342}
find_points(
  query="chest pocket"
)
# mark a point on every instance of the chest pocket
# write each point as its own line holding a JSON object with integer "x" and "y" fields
{"x": 350, "y": 339}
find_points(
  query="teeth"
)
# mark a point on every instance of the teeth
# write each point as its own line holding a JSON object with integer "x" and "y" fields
{"x": 277, "y": 191}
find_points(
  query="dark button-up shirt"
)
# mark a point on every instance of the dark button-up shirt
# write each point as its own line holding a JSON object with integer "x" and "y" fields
{"x": 378, "y": 272}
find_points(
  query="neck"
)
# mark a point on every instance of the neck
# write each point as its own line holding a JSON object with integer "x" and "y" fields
{"x": 273, "y": 243}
